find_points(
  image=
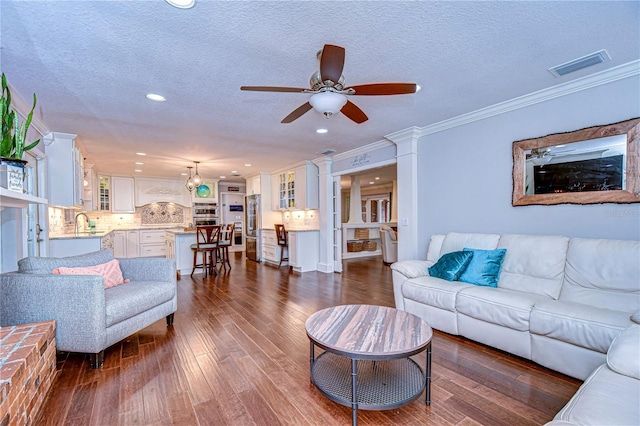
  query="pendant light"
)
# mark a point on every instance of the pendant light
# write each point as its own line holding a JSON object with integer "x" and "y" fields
{"x": 190, "y": 184}
{"x": 197, "y": 180}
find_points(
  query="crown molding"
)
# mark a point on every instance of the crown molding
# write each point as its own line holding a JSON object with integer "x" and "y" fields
{"x": 362, "y": 150}
{"x": 620, "y": 72}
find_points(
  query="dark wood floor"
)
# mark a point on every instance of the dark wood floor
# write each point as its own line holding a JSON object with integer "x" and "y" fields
{"x": 238, "y": 354}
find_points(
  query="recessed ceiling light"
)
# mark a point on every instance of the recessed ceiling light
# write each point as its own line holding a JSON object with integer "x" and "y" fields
{"x": 138, "y": 171}
{"x": 154, "y": 97}
{"x": 371, "y": 183}
{"x": 183, "y": 174}
{"x": 377, "y": 177}
{"x": 234, "y": 171}
{"x": 247, "y": 165}
{"x": 182, "y": 4}
{"x": 418, "y": 88}
{"x": 222, "y": 177}
{"x": 321, "y": 131}
{"x": 140, "y": 153}
{"x": 139, "y": 163}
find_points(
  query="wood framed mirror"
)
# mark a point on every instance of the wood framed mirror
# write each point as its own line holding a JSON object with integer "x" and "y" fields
{"x": 599, "y": 164}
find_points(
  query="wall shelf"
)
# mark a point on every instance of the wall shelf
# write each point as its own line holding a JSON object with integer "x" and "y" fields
{"x": 18, "y": 199}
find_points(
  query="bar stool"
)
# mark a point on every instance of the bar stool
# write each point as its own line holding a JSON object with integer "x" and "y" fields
{"x": 283, "y": 242}
{"x": 207, "y": 237}
{"x": 226, "y": 234}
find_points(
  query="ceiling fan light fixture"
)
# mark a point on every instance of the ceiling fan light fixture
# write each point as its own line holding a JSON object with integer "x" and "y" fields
{"x": 182, "y": 4}
{"x": 328, "y": 103}
{"x": 190, "y": 185}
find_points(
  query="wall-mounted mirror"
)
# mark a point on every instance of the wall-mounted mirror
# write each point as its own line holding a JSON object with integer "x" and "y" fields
{"x": 599, "y": 164}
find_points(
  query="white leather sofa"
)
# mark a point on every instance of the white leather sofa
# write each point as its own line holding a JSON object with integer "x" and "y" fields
{"x": 611, "y": 394}
{"x": 559, "y": 302}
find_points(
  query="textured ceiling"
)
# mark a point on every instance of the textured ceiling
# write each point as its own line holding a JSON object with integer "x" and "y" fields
{"x": 92, "y": 62}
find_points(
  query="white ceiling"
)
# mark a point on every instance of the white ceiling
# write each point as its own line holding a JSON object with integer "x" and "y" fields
{"x": 92, "y": 62}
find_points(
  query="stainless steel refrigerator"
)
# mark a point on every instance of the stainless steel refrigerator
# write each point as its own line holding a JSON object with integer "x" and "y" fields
{"x": 252, "y": 221}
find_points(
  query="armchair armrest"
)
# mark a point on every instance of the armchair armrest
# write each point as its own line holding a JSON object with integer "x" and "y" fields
{"x": 75, "y": 302}
{"x": 148, "y": 269}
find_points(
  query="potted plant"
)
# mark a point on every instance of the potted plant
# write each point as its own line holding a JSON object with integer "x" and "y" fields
{"x": 13, "y": 141}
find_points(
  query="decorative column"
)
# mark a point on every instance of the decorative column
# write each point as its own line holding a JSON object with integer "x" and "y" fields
{"x": 355, "y": 204}
{"x": 407, "y": 166}
{"x": 325, "y": 214}
{"x": 394, "y": 201}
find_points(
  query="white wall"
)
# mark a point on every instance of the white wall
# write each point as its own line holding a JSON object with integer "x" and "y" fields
{"x": 464, "y": 173}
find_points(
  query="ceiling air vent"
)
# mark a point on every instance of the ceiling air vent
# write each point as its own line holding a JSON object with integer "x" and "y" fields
{"x": 580, "y": 63}
{"x": 327, "y": 151}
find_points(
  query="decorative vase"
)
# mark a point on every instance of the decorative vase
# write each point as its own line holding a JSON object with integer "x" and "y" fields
{"x": 12, "y": 174}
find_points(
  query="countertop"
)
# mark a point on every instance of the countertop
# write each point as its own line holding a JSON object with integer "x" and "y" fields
{"x": 102, "y": 233}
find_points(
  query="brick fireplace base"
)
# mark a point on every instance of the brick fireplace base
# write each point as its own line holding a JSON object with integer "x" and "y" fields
{"x": 27, "y": 370}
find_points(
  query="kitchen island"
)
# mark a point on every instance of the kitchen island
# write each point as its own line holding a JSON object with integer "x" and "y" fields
{"x": 73, "y": 244}
{"x": 179, "y": 248}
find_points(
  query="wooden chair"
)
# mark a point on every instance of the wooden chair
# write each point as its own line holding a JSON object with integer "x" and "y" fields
{"x": 283, "y": 242}
{"x": 225, "y": 240}
{"x": 207, "y": 238}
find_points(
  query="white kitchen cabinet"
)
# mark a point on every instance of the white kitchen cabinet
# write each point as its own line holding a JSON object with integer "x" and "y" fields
{"x": 152, "y": 243}
{"x": 104, "y": 193}
{"x": 122, "y": 195}
{"x": 296, "y": 189}
{"x": 304, "y": 250}
{"x": 253, "y": 185}
{"x": 158, "y": 190}
{"x": 270, "y": 248}
{"x": 126, "y": 243}
{"x": 91, "y": 188}
{"x": 65, "y": 175}
{"x": 178, "y": 247}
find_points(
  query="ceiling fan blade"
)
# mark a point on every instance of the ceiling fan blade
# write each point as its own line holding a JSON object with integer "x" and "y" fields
{"x": 297, "y": 113}
{"x": 384, "y": 89}
{"x": 331, "y": 62}
{"x": 353, "y": 112}
{"x": 272, "y": 89}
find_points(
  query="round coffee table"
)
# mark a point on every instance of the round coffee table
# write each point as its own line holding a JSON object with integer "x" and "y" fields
{"x": 366, "y": 361}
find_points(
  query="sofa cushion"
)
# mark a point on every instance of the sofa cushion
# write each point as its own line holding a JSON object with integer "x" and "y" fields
{"x": 484, "y": 268}
{"x": 126, "y": 301}
{"x": 503, "y": 307}
{"x": 603, "y": 273}
{"x": 533, "y": 263}
{"x": 45, "y": 265}
{"x": 624, "y": 353}
{"x": 451, "y": 265}
{"x": 596, "y": 401}
{"x": 582, "y": 325}
{"x": 433, "y": 292}
{"x": 455, "y": 241}
{"x": 435, "y": 245}
{"x": 412, "y": 268}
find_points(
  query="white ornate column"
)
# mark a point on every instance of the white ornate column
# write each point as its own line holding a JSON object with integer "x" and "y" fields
{"x": 394, "y": 201}
{"x": 325, "y": 214}
{"x": 407, "y": 184}
{"x": 355, "y": 203}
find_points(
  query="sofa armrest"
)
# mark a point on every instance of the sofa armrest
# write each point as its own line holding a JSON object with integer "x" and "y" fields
{"x": 622, "y": 356}
{"x": 412, "y": 268}
{"x": 75, "y": 302}
{"x": 148, "y": 269}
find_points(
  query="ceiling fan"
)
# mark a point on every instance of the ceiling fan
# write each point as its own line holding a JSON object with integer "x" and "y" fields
{"x": 329, "y": 91}
{"x": 542, "y": 156}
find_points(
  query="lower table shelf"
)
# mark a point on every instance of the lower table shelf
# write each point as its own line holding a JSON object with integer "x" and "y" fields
{"x": 381, "y": 385}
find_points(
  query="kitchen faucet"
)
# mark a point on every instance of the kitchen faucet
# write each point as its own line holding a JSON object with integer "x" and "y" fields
{"x": 86, "y": 218}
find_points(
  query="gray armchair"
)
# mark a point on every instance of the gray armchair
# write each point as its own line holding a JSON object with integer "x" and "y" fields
{"x": 89, "y": 318}
{"x": 388, "y": 244}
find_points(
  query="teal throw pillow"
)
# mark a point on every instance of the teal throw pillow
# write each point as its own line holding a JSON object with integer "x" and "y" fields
{"x": 451, "y": 265}
{"x": 484, "y": 268}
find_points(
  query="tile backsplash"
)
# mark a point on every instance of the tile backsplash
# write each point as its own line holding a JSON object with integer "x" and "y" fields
{"x": 301, "y": 219}
{"x": 152, "y": 215}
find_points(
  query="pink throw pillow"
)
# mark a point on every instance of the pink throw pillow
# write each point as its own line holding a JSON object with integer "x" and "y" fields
{"x": 110, "y": 271}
